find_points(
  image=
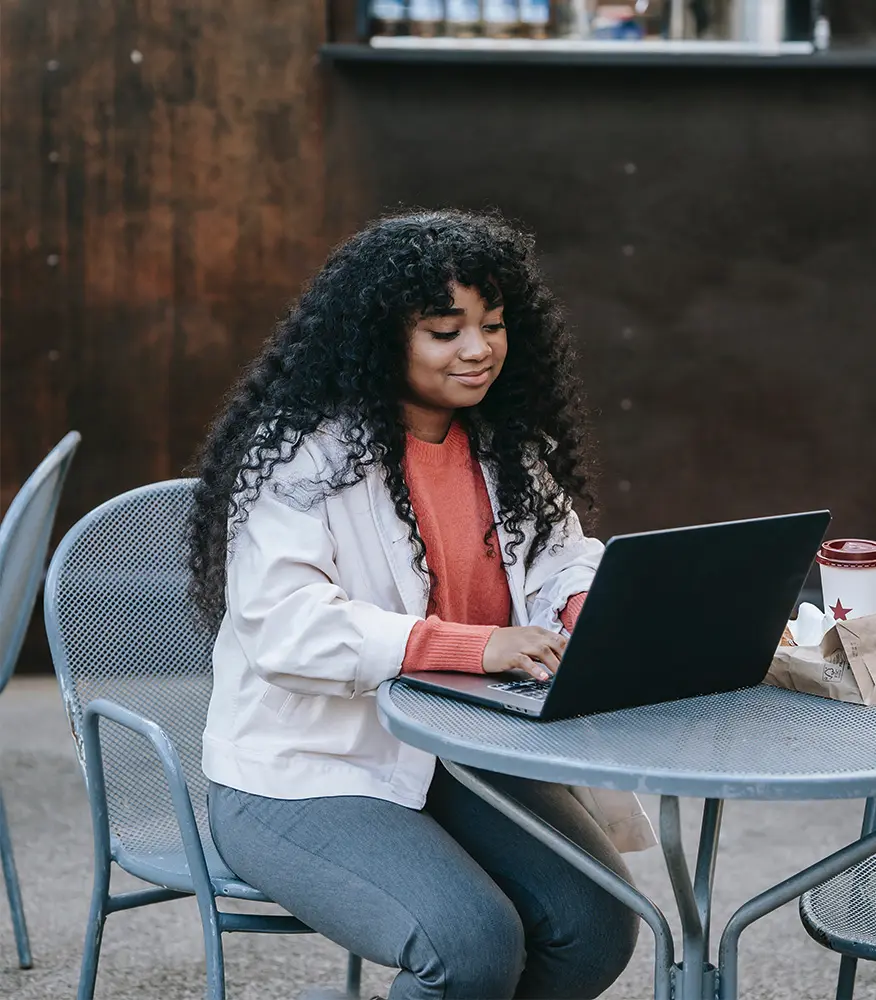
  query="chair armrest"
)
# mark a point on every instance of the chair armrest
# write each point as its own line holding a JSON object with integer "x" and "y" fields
{"x": 103, "y": 708}
{"x": 869, "y": 823}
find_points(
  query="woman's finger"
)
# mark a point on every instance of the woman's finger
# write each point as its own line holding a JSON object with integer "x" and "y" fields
{"x": 533, "y": 667}
{"x": 559, "y": 642}
{"x": 556, "y": 641}
{"x": 546, "y": 655}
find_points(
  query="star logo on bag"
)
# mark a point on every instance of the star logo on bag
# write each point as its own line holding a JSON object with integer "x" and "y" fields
{"x": 840, "y": 614}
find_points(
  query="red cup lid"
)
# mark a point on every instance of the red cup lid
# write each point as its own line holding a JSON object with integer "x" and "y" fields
{"x": 851, "y": 553}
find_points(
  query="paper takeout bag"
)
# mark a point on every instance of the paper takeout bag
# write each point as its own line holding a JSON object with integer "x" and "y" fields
{"x": 842, "y": 666}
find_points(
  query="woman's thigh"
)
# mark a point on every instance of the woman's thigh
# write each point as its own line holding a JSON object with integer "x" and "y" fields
{"x": 385, "y": 882}
{"x": 579, "y": 938}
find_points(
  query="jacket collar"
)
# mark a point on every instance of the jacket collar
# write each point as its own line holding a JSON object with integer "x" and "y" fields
{"x": 411, "y": 583}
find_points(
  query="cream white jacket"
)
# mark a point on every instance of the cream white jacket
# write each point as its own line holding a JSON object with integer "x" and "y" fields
{"x": 321, "y": 597}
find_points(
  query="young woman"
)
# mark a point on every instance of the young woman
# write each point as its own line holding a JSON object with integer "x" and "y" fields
{"x": 388, "y": 489}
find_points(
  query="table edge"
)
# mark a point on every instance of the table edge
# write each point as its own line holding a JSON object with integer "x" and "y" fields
{"x": 848, "y": 785}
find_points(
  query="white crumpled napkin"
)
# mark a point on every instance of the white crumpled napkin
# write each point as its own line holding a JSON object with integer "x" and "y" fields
{"x": 810, "y": 625}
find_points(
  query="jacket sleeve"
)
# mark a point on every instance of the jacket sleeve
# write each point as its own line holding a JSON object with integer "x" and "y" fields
{"x": 564, "y": 567}
{"x": 294, "y": 623}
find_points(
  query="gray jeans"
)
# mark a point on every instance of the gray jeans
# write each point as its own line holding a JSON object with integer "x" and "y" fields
{"x": 466, "y": 904}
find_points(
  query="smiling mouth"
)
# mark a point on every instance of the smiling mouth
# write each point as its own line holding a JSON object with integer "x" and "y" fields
{"x": 473, "y": 378}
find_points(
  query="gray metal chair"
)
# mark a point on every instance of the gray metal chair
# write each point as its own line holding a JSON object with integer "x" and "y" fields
{"x": 135, "y": 673}
{"x": 841, "y": 914}
{"x": 24, "y": 542}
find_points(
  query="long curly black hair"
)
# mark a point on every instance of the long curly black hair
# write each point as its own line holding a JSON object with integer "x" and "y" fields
{"x": 340, "y": 353}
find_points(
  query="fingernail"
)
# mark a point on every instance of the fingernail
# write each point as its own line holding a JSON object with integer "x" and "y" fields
{"x": 544, "y": 675}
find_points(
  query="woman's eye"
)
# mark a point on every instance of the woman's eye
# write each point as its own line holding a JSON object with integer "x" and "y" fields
{"x": 495, "y": 327}
{"x": 444, "y": 334}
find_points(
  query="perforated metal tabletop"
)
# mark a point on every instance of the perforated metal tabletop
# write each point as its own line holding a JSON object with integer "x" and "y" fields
{"x": 758, "y": 743}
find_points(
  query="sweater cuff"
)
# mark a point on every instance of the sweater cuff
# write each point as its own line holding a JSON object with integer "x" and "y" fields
{"x": 438, "y": 645}
{"x": 569, "y": 614}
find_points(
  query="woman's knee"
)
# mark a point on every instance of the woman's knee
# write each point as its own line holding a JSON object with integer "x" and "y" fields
{"x": 480, "y": 960}
{"x": 581, "y": 941}
{"x": 618, "y": 936}
{"x": 596, "y": 944}
{"x": 487, "y": 961}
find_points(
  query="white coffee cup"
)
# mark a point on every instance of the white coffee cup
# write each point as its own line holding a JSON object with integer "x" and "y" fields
{"x": 848, "y": 577}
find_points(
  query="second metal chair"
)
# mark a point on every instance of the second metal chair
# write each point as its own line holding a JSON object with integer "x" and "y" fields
{"x": 841, "y": 914}
{"x": 24, "y": 542}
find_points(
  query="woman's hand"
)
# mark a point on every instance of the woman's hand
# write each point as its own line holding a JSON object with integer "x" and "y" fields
{"x": 526, "y": 647}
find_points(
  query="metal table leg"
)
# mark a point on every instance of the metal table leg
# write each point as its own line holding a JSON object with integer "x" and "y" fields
{"x": 695, "y": 977}
{"x": 664, "y": 950}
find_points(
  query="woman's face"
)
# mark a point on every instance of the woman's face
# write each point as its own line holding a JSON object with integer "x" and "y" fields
{"x": 456, "y": 354}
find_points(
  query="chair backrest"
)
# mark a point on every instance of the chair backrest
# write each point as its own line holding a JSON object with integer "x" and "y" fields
{"x": 24, "y": 542}
{"x": 122, "y": 626}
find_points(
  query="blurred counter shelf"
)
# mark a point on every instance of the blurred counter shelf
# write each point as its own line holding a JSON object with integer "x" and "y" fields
{"x": 572, "y": 52}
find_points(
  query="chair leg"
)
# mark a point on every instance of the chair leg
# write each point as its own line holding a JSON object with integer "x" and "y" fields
{"x": 13, "y": 891}
{"x": 97, "y": 915}
{"x": 354, "y": 975}
{"x": 215, "y": 964}
{"x": 845, "y": 986}
{"x": 212, "y": 946}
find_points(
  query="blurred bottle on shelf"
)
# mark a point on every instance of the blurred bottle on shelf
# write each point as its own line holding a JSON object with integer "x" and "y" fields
{"x": 616, "y": 22}
{"x": 388, "y": 17}
{"x": 760, "y": 21}
{"x": 426, "y": 17}
{"x": 580, "y": 18}
{"x": 501, "y": 18}
{"x": 463, "y": 18}
{"x": 535, "y": 18}
{"x": 571, "y": 18}
{"x": 820, "y": 26}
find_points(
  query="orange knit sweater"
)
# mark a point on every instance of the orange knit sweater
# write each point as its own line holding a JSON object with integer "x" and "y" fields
{"x": 469, "y": 596}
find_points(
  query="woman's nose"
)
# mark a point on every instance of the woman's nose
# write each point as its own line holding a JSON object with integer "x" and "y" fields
{"x": 474, "y": 347}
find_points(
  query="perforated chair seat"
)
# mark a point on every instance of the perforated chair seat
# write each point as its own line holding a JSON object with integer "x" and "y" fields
{"x": 164, "y": 863}
{"x": 170, "y": 869}
{"x": 841, "y": 913}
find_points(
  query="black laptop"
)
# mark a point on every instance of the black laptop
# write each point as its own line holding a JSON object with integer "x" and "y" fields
{"x": 709, "y": 603}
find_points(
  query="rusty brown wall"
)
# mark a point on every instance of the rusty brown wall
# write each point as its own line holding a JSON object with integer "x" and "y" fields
{"x": 162, "y": 197}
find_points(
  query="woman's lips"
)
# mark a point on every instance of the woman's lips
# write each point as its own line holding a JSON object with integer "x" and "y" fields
{"x": 473, "y": 379}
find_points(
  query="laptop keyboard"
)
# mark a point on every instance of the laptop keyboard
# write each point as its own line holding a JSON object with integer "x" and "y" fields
{"x": 537, "y": 690}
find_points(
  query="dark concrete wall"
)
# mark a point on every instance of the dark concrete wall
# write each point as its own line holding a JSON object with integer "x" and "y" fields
{"x": 713, "y": 235}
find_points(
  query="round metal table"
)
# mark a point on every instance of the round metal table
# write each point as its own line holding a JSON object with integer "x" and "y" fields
{"x": 757, "y": 743}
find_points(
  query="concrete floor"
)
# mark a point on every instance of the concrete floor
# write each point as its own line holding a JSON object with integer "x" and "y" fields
{"x": 158, "y": 952}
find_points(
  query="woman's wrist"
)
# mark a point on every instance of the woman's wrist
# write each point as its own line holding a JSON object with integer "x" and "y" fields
{"x": 438, "y": 645}
{"x": 569, "y": 614}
